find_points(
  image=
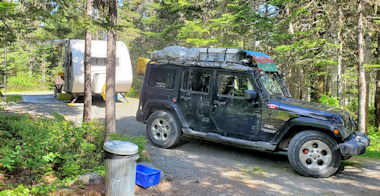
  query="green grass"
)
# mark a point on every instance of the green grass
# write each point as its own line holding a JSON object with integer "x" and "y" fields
{"x": 20, "y": 90}
{"x": 11, "y": 98}
{"x": 133, "y": 93}
{"x": 64, "y": 96}
{"x": 351, "y": 163}
{"x": 371, "y": 154}
{"x": 373, "y": 151}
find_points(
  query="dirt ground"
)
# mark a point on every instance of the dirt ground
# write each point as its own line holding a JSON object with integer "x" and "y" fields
{"x": 197, "y": 167}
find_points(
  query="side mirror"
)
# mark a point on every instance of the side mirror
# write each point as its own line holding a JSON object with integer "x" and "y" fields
{"x": 250, "y": 95}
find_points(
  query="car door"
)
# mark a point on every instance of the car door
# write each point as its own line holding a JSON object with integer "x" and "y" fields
{"x": 232, "y": 115}
{"x": 194, "y": 97}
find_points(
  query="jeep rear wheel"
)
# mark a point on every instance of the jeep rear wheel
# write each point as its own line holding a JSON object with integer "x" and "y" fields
{"x": 314, "y": 153}
{"x": 163, "y": 129}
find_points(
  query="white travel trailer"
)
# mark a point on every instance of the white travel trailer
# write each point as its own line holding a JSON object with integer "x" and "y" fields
{"x": 73, "y": 67}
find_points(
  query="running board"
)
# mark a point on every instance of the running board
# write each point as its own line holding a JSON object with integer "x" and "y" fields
{"x": 217, "y": 137}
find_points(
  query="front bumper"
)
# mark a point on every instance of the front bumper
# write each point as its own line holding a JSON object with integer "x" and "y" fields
{"x": 356, "y": 144}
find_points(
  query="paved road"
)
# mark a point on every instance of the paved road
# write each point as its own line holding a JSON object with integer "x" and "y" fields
{"x": 198, "y": 167}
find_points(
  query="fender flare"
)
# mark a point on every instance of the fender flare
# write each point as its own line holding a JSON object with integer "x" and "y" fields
{"x": 154, "y": 105}
{"x": 304, "y": 122}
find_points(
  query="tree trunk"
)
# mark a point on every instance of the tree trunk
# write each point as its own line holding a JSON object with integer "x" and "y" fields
{"x": 377, "y": 95}
{"x": 340, "y": 57}
{"x": 87, "y": 69}
{"x": 339, "y": 74}
{"x": 110, "y": 71}
{"x": 368, "y": 80}
{"x": 361, "y": 79}
{"x": 43, "y": 71}
{"x": 327, "y": 88}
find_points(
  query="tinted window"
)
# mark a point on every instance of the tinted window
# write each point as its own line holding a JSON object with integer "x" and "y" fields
{"x": 196, "y": 81}
{"x": 162, "y": 78}
{"x": 234, "y": 85}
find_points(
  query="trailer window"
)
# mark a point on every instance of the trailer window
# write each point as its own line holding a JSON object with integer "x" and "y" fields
{"x": 162, "y": 78}
{"x": 102, "y": 61}
{"x": 98, "y": 61}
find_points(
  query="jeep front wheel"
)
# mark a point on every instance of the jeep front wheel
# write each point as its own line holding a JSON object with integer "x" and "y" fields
{"x": 163, "y": 129}
{"x": 314, "y": 153}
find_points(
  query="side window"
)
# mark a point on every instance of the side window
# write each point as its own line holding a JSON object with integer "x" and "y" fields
{"x": 196, "y": 81}
{"x": 231, "y": 85}
{"x": 162, "y": 78}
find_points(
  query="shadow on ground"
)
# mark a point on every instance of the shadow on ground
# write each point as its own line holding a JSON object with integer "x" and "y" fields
{"x": 198, "y": 167}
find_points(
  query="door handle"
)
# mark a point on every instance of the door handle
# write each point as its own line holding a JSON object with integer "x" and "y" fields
{"x": 219, "y": 103}
{"x": 185, "y": 98}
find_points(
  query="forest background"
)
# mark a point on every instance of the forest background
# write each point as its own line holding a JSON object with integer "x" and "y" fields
{"x": 315, "y": 42}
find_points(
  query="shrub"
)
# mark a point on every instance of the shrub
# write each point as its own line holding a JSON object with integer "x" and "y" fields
{"x": 26, "y": 81}
{"x": 329, "y": 100}
{"x": 40, "y": 146}
{"x": 133, "y": 93}
{"x": 136, "y": 86}
{"x": 37, "y": 147}
{"x": 373, "y": 151}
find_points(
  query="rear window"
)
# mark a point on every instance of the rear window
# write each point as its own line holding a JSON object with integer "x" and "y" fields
{"x": 162, "y": 78}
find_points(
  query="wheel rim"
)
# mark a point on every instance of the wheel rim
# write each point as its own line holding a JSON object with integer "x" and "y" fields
{"x": 315, "y": 155}
{"x": 160, "y": 129}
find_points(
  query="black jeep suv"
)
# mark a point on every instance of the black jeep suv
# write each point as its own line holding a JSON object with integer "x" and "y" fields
{"x": 252, "y": 109}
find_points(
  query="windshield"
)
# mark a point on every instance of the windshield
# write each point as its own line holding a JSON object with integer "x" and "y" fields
{"x": 273, "y": 85}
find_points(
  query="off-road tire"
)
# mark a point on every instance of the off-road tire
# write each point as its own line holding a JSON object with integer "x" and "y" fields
{"x": 309, "y": 162}
{"x": 163, "y": 129}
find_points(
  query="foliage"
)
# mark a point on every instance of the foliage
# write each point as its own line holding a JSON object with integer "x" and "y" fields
{"x": 133, "y": 93}
{"x": 373, "y": 151}
{"x": 11, "y": 98}
{"x": 329, "y": 100}
{"x": 42, "y": 189}
{"x": 25, "y": 81}
{"x": 20, "y": 190}
{"x": 36, "y": 147}
{"x": 136, "y": 86}
{"x": 353, "y": 106}
{"x": 139, "y": 141}
{"x": 39, "y": 147}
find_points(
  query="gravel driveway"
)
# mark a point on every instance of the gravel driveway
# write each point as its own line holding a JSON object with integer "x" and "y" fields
{"x": 197, "y": 167}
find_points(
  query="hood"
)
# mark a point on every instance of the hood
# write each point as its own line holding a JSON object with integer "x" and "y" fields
{"x": 305, "y": 107}
{"x": 314, "y": 110}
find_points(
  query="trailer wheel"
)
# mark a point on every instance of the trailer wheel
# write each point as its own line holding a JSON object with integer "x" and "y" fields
{"x": 314, "y": 153}
{"x": 163, "y": 129}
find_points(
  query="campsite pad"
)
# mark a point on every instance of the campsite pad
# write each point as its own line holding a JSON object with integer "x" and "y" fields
{"x": 40, "y": 99}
